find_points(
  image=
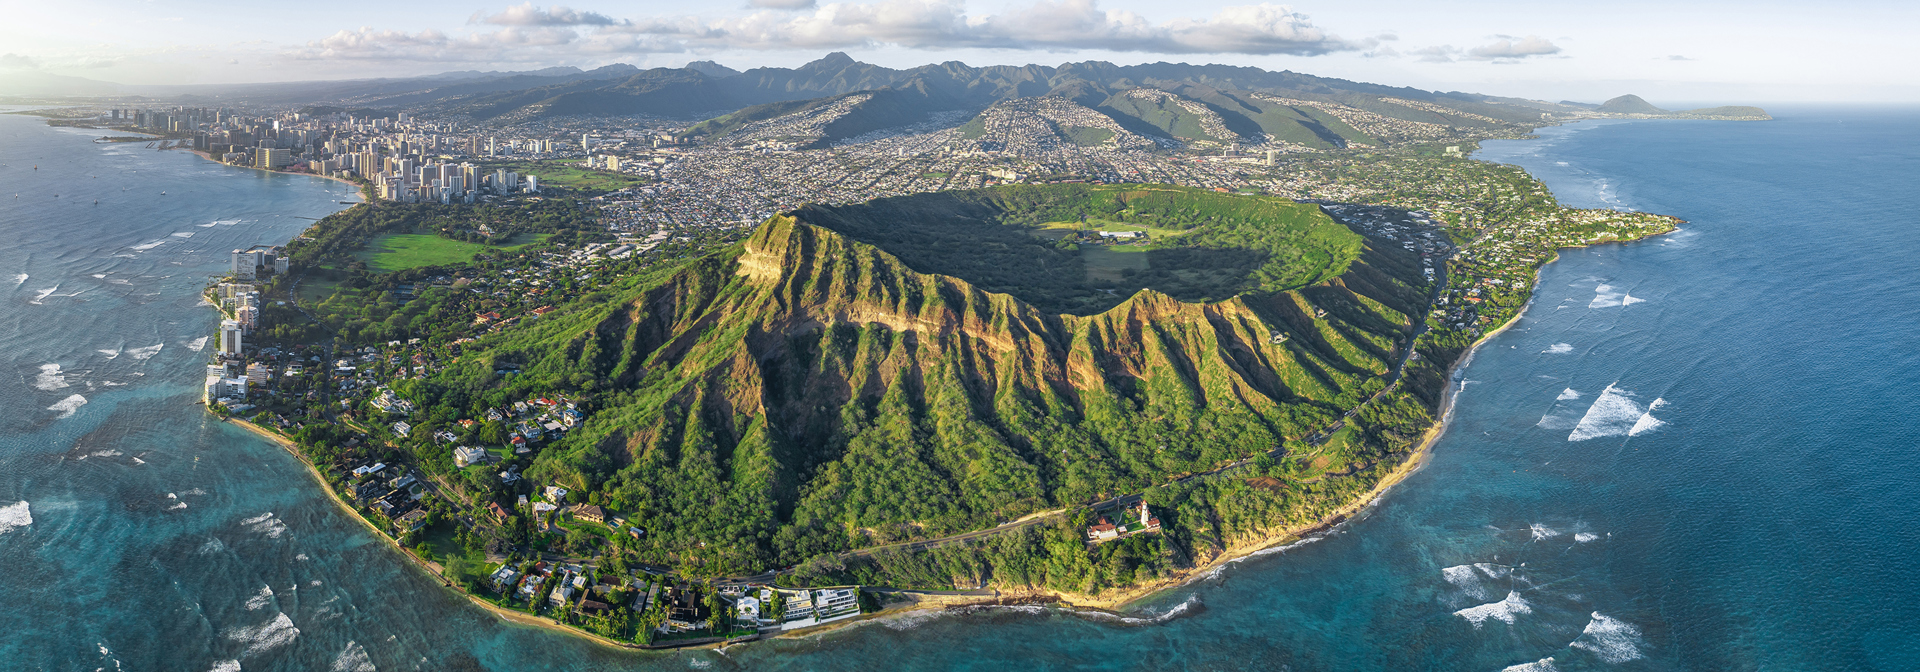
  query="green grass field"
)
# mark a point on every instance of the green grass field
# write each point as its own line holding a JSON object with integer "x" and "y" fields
{"x": 560, "y": 174}
{"x": 401, "y": 251}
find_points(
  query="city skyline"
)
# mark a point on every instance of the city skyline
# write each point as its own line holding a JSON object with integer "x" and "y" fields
{"x": 1711, "y": 52}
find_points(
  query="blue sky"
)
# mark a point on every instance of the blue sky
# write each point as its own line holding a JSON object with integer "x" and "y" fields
{"x": 1670, "y": 52}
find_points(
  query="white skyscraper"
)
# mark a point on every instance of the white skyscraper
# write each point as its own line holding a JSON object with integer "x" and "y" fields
{"x": 586, "y": 144}
{"x": 242, "y": 264}
{"x": 229, "y": 337}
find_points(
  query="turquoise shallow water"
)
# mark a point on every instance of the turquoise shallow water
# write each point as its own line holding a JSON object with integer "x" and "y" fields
{"x": 1758, "y": 516}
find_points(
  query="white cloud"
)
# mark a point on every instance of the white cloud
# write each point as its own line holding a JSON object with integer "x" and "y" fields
{"x": 1050, "y": 25}
{"x": 1508, "y": 48}
{"x": 530, "y": 15}
{"x": 1504, "y": 49}
{"x": 16, "y": 61}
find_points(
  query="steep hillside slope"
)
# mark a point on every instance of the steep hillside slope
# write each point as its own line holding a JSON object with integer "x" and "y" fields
{"x": 806, "y": 392}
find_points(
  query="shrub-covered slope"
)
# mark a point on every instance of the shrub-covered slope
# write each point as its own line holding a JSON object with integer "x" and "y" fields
{"x": 807, "y": 392}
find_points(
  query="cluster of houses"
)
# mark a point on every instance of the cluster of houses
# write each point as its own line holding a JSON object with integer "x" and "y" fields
{"x": 1126, "y": 522}
{"x": 391, "y": 491}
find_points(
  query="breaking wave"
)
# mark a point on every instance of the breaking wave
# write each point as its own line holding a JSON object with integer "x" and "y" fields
{"x": 1471, "y": 579}
{"x": 353, "y": 659}
{"x": 1504, "y": 611}
{"x": 266, "y": 524}
{"x": 1541, "y": 531}
{"x": 68, "y": 406}
{"x": 260, "y": 599}
{"x": 1604, "y": 297}
{"x": 275, "y": 633}
{"x": 17, "y": 514}
{"x": 1615, "y": 414}
{"x": 146, "y": 352}
{"x": 1541, "y": 665}
{"x": 44, "y": 293}
{"x": 1611, "y": 639}
{"x": 50, "y": 378}
{"x": 1559, "y": 349}
{"x": 19, "y": 280}
{"x": 225, "y": 666}
{"x": 1647, "y": 422}
{"x": 198, "y": 344}
{"x": 1567, "y": 395}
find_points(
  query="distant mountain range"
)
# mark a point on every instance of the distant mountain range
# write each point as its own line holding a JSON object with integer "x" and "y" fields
{"x": 1226, "y": 105}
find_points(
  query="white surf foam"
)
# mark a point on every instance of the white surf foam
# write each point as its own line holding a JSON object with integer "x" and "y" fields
{"x": 177, "y": 506}
{"x": 275, "y": 633}
{"x": 17, "y": 514}
{"x": 1584, "y": 537}
{"x": 1471, "y": 579}
{"x": 1613, "y": 414}
{"x": 1647, "y": 422}
{"x": 212, "y": 546}
{"x": 1629, "y": 299}
{"x": 1604, "y": 297}
{"x": 1567, "y": 394}
{"x": 68, "y": 406}
{"x": 1541, "y": 665}
{"x": 50, "y": 378}
{"x": 301, "y": 557}
{"x": 198, "y": 344}
{"x": 353, "y": 659}
{"x": 19, "y": 280}
{"x": 146, "y": 352}
{"x": 266, "y": 524}
{"x": 1505, "y": 611}
{"x": 148, "y": 246}
{"x": 44, "y": 293}
{"x": 183, "y": 234}
{"x": 1542, "y": 531}
{"x": 208, "y": 225}
{"x": 109, "y": 353}
{"x": 1559, "y": 349}
{"x": 225, "y": 666}
{"x": 260, "y": 599}
{"x": 1611, "y": 639}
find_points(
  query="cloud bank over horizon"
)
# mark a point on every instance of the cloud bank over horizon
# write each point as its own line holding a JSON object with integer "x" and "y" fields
{"x": 1546, "y": 52}
{"x": 528, "y": 33}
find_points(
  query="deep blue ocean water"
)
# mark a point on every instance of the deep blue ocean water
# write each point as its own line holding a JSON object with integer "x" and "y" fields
{"x": 1695, "y": 452}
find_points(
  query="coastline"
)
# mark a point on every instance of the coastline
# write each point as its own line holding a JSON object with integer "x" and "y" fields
{"x": 432, "y": 569}
{"x": 1121, "y": 600}
{"x": 356, "y": 194}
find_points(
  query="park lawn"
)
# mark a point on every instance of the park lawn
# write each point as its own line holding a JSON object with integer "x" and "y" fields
{"x": 400, "y": 251}
{"x": 560, "y": 174}
{"x": 1107, "y": 262}
{"x": 523, "y": 241}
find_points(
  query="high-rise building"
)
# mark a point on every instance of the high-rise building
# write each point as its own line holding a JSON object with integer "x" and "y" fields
{"x": 242, "y": 265}
{"x": 272, "y": 159}
{"x": 230, "y": 337}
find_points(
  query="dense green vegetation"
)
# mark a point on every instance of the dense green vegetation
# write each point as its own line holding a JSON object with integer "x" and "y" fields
{"x": 806, "y": 392}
